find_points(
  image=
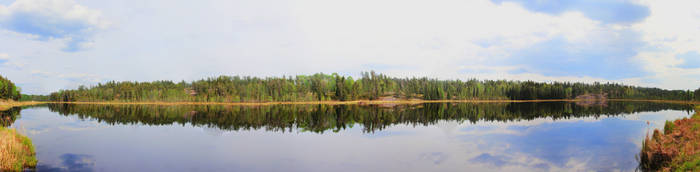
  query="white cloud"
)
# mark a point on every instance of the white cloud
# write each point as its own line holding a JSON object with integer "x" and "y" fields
{"x": 79, "y": 78}
{"x": 436, "y": 37}
{"x": 671, "y": 29}
{"x": 448, "y": 39}
{"x": 8, "y": 61}
{"x": 64, "y": 20}
{"x": 673, "y": 25}
{"x": 3, "y": 11}
{"x": 4, "y": 56}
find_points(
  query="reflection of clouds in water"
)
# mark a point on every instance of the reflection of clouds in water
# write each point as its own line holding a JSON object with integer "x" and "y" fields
{"x": 513, "y": 160}
{"x": 82, "y": 125}
{"x": 448, "y": 127}
{"x": 657, "y": 119}
{"x": 35, "y": 129}
{"x": 539, "y": 121}
{"x": 78, "y": 162}
{"x": 82, "y": 128}
{"x": 522, "y": 127}
{"x": 387, "y": 133}
{"x": 435, "y": 157}
{"x": 71, "y": 162}
{"x": 489, "y": 130}
{"x": 567, "y": 145}
{"x": 213, "y": 131}
{"x": 490, "y": 159}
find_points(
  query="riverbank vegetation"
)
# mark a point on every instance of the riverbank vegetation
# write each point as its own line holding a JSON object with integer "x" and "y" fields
{"x": 16, "y": 151}
{"x": 10, "y": 95}
{"x": 28, "y": 97}
{"x": 8, "y": 90}
{"x": 676, "y": 149}
{"x": 370, "y": 86}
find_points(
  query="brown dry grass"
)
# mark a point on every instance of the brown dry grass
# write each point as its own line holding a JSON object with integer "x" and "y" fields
{"x": 7, "y": 104}
{"x": 676, "y": 149}
{"x": 16, "y": 151}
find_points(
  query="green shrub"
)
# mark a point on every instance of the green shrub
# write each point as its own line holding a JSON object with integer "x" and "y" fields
{"x": 668, "y": 127}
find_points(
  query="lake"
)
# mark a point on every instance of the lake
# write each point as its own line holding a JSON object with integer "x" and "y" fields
{"x": 553, "y": 136}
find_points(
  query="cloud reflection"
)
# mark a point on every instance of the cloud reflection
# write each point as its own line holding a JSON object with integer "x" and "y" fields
{"x": 71, "y": 162}
{"x": 594, "y": 145}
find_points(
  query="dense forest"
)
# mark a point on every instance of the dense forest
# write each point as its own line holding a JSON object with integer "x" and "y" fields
{"x": 370, "y": 86}
{"x": 28, "y": 97}
{"x": 8, "y": 90}
{"x": 321, "y": 118}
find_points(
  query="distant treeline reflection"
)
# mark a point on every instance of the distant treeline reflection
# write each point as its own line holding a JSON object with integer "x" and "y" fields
{"x": 321, "y": 118}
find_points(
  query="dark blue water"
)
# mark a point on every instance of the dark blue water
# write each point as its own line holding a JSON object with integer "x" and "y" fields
{"x": 500, "y": 137}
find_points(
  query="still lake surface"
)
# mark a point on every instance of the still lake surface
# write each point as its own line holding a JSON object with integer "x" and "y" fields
{"x": 554, "y": 136}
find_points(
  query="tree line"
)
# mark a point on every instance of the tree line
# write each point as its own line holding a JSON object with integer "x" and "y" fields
{"x": 29, "y": 97}
{"x": 8, "y": 90}
{"x": 370, "y": 86}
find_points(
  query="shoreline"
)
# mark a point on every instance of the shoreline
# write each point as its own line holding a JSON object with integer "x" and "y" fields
{"x": 658, "y": 101}
{"x": 361, "y": 102}
{"x": 8, "y": 104}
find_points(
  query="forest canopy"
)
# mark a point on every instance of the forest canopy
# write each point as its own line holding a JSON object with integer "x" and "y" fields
{"x": 8, "y": 90}
{"x": 370, "y": 86}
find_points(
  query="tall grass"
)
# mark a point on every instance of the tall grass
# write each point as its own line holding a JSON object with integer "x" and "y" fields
{"x": 676, "y": 149}
{"x": 16, "y": 151}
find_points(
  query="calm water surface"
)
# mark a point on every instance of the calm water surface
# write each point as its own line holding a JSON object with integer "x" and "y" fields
{"x": 426, "y": 137}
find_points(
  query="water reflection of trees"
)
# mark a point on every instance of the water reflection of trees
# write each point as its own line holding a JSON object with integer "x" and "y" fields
{"x": 320, "y": 118}
{"x": 9, "y": 116}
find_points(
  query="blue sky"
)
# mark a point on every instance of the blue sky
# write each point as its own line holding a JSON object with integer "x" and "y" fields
{"x": 47, "y": 45}
{"x": 607, "y": 11}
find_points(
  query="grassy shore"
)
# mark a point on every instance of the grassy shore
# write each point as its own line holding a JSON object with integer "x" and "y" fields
{"x": 16, "y": 151}
{"x": 7, "y": 104}
{"x": 676, "y": 149}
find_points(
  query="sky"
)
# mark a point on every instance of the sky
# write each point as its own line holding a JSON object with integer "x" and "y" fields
{"x": 48, "y": 45}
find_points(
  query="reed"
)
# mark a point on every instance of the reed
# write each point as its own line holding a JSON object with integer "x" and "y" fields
{"x": 676, "y": 149}
{"x": 16, "y": 151}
